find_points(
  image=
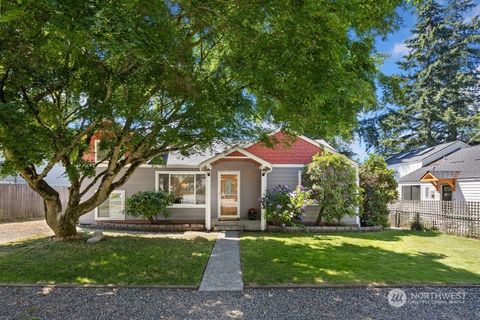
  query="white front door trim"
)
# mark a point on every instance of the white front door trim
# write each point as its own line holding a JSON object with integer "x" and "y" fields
{"x": 219, "y": 191}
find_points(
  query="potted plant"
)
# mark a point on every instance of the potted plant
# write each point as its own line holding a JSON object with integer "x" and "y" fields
{"x": 252, "y": 214}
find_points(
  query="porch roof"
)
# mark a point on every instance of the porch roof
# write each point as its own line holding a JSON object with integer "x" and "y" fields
{"x": 225, "y": 155}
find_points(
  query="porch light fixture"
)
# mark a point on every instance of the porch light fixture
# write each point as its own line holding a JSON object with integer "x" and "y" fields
{"x": 264, "y": 171}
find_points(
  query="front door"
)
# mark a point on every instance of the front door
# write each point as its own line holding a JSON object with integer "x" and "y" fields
{"x": 446, "y": 193}
{"x": 229, "y": 194}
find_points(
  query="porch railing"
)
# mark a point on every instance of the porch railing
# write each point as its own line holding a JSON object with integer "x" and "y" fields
{"x": 455, "y": 217}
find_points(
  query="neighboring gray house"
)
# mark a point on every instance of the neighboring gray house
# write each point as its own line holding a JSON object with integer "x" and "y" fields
{"x": 452, "y": 176}
{"x": 56, "y": 177}
{"x": 219, "y": 186}
{"x": 406, "y": 162}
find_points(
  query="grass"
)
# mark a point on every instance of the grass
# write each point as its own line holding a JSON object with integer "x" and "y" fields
{"x": 116, "y": 260}
{"x": 387, "y": 257}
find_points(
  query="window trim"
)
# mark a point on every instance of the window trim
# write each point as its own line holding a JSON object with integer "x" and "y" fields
{"x": 411, "y": 189}
{"x": 299, "y": 180}
{"x": 182, "y": 205}
{"x": 122, "y": 192}
{"x": 97, "y": 142}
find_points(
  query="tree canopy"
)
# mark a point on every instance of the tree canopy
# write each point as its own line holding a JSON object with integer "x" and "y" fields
{"x": 435, "y": 99}
{"x": 159, "y": 75}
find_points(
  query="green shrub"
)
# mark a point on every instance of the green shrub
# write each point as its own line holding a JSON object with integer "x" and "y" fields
{"x": 334, "y": 183}
{"x": 379, "y": 187}
{"x": 149, "y": 204}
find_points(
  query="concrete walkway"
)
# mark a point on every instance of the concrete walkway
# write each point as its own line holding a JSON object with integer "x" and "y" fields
{"x": 223, "y": 271}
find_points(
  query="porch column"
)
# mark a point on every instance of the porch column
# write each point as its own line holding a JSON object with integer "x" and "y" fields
{"x": 208, "y": 199}
{"x": 263, "y": 174}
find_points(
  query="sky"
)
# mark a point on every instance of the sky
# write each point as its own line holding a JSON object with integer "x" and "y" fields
{"x": 395, "y": 48}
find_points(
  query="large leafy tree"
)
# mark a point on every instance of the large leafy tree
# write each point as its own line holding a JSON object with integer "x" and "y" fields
{"x": 333, "y": 179}
{"x": 161, "y": 75}
{"x": 378, "y": 189}
{"x": 436, "y": 98}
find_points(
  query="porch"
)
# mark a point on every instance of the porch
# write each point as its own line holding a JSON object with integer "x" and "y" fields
{"x": 235, "y": 182}
{"x": 236, "y": 225}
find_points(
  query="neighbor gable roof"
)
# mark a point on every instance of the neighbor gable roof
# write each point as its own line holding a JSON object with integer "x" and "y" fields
{"x": 461, "y": 164}
{"x": 420, "y": 154}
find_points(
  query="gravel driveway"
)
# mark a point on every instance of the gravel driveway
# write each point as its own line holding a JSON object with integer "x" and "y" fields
{"x": 154, "y": 303}
{"x": 14, "y": 231}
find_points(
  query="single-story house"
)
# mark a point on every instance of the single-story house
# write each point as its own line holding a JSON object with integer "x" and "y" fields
{"x": 452, "y": 176}
{"x": 223, "y": 185}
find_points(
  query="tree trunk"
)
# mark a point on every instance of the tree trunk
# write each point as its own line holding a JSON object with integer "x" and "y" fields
{"x": 63, "y": 224}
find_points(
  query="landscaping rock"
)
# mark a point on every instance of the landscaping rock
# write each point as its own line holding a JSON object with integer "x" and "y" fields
{"x": 97, "y": 237}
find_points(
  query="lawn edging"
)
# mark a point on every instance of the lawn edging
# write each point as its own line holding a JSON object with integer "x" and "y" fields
{"x": 320, "y": 229}
{"x": 360, "y": 285}
{"x": 167, "y": 227}
{"x": 94, "y": 285}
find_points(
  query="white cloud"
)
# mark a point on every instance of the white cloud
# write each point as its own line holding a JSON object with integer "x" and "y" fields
{"x": 399, "y": 49}
{"x": 475, "y": 12}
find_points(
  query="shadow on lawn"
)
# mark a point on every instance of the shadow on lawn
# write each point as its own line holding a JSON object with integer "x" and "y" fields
{"x": 389, "y": 235}
{"x": 276, "y": 262}
{"x": 116, "y": 260}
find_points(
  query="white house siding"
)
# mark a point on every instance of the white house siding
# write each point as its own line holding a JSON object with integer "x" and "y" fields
{"x": 402, "y": 169}
{"x": 424, "y": 189}
{"x": 467, "y": 190}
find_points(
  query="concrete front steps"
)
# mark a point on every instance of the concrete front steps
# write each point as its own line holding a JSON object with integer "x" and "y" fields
{"x": 236, "y": 225}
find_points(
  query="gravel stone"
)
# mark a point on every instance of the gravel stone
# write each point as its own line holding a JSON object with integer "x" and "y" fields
{"x": 155, "y": 303}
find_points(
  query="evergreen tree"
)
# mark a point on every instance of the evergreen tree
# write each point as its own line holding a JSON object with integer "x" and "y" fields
{"x": 436, "y": 96}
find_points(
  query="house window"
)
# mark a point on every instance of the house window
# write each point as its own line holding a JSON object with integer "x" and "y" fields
{"x": 427, "y": 192}
{"x": 113, "y": 207}
{"x": 100, "y": 154}
{"x": 188, "y": 187}
{"x": 411, "y": 192}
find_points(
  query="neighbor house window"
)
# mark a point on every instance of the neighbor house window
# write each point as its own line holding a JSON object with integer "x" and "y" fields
{"x": 427, "y": 192}
{"x": 411, "y": 192}
{"x": 100, "y": 154}
{"x": 188, "y": 188}
{"x": 113, "y": 207}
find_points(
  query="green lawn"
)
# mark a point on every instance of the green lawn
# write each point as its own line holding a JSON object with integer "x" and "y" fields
{"x": 116, "y": 260}
{"x": 387, "y": 257}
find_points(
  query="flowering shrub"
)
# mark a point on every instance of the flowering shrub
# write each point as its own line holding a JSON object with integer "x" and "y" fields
{"x": 282, "y": 205}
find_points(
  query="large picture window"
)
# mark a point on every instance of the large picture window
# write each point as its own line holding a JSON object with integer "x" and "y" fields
{"x": 188, "y": 187}
{"x": 113, "y": 207}
{"x": 411, "y": 192}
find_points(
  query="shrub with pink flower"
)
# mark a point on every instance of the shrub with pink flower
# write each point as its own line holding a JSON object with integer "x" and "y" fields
{"x": 282, "y": 204}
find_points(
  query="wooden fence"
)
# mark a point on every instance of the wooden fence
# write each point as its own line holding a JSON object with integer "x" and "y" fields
{"x": 455, "y": 217}
{"x": 18, "y": 201}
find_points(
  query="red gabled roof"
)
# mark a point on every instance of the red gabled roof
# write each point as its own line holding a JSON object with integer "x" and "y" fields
{"x": 300, "y": 151}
